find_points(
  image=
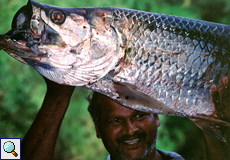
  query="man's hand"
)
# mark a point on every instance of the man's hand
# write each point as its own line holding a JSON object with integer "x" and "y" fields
{"x": 221, "y": 97}
{"x": 40, "y": 140}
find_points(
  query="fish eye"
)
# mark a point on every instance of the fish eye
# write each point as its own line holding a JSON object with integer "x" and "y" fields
{"x": 57, "y": 17}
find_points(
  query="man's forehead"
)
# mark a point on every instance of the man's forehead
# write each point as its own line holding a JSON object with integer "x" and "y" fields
{"x": 111, "y": 108}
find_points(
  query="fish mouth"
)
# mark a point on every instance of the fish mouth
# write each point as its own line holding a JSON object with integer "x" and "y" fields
{"x": 16, "y": 49}
{"x": 14, "y": 41}
{"x": 28, "y": 32}
{"x": 21, "y": 43}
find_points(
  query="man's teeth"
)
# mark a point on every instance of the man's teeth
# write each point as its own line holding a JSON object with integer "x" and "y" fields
{"x": 132, "y": 141}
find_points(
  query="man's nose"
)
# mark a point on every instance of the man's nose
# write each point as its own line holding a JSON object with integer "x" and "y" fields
{"x": 130, "y": 128}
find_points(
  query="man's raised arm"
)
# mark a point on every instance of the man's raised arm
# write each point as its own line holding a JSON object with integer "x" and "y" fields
{"x": 40, "y": 140}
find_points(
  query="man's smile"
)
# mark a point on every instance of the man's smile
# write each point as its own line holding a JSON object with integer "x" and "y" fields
{"x": 134, "y": 141}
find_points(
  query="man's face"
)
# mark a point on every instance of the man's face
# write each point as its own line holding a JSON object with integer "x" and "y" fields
{"x": 126, "y": 133}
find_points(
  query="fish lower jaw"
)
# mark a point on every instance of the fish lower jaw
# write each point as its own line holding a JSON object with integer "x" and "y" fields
{"x": 134, "y": 141}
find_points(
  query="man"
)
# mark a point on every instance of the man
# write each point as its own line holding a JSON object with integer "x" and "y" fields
{"x": 126, "y": 133}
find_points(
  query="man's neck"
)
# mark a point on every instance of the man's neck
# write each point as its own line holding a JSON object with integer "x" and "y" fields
{"x": 155, "y": 155}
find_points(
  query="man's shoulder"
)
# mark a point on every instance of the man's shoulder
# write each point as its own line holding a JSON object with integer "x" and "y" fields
{"x": 168, "y": 155}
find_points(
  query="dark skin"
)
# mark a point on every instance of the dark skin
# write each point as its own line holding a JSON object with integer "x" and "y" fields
{"x": 127, "y": 133}
{"x": 39, "y": 142}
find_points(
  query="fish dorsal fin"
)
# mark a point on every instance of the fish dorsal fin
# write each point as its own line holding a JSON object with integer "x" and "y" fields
{"x": 136, "y": 99}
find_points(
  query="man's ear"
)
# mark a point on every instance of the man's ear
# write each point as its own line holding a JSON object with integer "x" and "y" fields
{"x": 157, "y": 120}
{"x": 97, "y": 131}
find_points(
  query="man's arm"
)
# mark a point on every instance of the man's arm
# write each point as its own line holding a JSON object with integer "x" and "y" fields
{"x": 221, "y": 97}
{"x": 40, "y": 140}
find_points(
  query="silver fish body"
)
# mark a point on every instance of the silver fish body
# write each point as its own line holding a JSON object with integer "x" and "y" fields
{"x": 146, "y": 61}
{"x": 172, "y": 59}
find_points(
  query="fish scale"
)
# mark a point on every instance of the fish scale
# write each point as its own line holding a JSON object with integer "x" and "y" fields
{"x": 183, "y": 52}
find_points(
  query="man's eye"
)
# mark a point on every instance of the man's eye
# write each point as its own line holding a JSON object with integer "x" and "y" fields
{"x": 115, "y": 121}
{"x": 139, "y": 115}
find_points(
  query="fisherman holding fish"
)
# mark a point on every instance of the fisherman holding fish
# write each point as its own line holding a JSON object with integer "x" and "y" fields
{"x": 151, "y": 63}
{"x": 126, "y": 133}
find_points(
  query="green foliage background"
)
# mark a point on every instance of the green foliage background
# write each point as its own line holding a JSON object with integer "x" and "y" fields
{"x": 22, "y": 89}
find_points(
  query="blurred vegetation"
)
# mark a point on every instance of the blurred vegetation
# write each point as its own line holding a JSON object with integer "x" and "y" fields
{"x": 22, "y": 89}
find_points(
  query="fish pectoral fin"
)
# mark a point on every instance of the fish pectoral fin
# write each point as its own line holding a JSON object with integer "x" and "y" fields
{"x": 137, "y": 99}
{"x": 213, "y": 120}
{"x": 211, "y": 126}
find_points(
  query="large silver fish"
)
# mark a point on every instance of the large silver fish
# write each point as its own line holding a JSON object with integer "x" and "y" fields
{"x": 146, "y": 61}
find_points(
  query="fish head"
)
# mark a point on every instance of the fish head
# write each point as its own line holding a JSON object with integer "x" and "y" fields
{"x": 73, "y": 46}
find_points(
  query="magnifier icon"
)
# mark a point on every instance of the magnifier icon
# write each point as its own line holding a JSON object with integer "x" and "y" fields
{"x": 9, "y": 147}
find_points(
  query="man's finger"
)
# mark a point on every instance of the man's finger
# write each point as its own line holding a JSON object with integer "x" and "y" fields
{"x": 215, "y": 94}
{"x": 216, "y": 101}
{"x": 225, "y": 96}
{"x": 225, "y": 85}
